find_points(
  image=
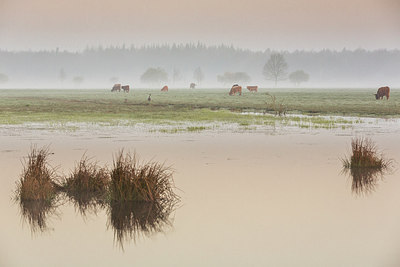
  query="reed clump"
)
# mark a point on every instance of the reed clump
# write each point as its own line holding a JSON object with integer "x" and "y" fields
{"x": 133, "y": 181}
{"x": 38, "y": 179}
{"x": 87, "y": 185}
{"x": 364, "y": 154}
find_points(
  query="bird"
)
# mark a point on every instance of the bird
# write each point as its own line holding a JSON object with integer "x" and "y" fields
{"x": 149, "y": 98}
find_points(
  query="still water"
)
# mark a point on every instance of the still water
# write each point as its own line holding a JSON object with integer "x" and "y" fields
{"x": 247, "y": 199}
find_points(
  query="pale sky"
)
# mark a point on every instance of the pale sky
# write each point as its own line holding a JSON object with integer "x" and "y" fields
{"x": 253, "y": 24}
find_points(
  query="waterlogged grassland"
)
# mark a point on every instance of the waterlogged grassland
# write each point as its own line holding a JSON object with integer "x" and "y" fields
{"x": 194, "y": 106}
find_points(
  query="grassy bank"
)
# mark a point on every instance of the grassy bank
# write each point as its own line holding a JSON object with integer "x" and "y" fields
{"x": 186, "y": 105}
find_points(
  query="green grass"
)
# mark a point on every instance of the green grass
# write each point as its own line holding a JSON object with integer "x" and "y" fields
{"x": 59, "y": 107}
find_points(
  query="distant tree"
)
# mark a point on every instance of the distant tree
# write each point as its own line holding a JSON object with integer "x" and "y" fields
{"x": 275, "y": 68}
{"x": 3, "y": 78}
{"x": 233, "y": 77}
{"x": 176, "y": 75}
{"x": 78, "y": 80}
{"x": 114, "y": 79}
{"x": 198, "y": 75}
{"x": 154, "y": 76}
{"x": 62, "y": 76}
{"x": 298, "y": 77}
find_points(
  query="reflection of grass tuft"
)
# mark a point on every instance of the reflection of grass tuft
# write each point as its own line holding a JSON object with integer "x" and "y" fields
{"x": 130, "y": 219}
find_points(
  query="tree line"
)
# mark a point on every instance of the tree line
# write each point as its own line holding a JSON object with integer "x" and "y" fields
{"x": 209, "y": 66}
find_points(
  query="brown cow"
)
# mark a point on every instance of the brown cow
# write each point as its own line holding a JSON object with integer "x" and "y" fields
{"x": 383, "y": 91}
{"x": 192, "y": 86}
{"x": 252, "y": 88}
{"x": 236, "y": 89}
{"x": 116, "y": 87}
{"x": 125, "y": 88}
{"x": 164, "y": 89}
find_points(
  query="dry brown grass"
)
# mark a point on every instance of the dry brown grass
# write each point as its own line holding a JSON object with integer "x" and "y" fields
{"x": 364, "y": 154}
{"x": 38, "y": 179}
{"x": 87, "y": 185}
{"x": 366, "y": 166}
{"x": 132, "y": 181}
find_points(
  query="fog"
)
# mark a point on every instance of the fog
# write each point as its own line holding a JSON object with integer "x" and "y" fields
{"x": 91, "y": 44}
{"x": 101, "y": 67}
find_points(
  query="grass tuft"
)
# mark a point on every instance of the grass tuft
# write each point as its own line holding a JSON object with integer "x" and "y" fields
{"x": 87, "y": 185}
{"x": 366, "y": 166}
{"x": 37, "y": 181}
{"x": 132, "y": 181}
{"x": 365, "y": 155}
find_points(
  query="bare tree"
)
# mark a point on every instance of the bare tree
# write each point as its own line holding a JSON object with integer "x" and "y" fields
{"x": 298, "y": 76}
{"x": 198, "y": 75}
{"x": 276, "y": 68}
{"x": 176, "y": 75}
{"x": 62, "y": 76}
{"x": 3, "y": 78}
{"x": 233, "y": 77}
{"x": 154, "y": 76}
{"x": 78, "y": 80}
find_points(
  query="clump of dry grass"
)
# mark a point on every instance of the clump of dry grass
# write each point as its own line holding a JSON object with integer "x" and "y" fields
{"x": 87, "y": 185}
{"x": 364, "y": 154}
{"x": 148, "y": 182}
{"x": 38, "y": 179}
{"x": 86, "y": 177}
{"x": 366, "y": 166}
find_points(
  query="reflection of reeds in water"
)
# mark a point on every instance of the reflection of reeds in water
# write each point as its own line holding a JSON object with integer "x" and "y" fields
{"x": 131, "y": 219}
{"x": 139, "y": 198}
{"x": 365, "y": 166}
{"x": 37, "y": 212}
{"x": 87, "y": 186}
{"x": 364, "y": 181}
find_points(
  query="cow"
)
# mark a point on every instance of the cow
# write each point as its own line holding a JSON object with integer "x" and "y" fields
{"x": 125, "y": 88}
{"x": 383, "y": 91}
{"x": 164, "y": 89}
{"x": 116, "y": 87}
{"x": 192, "y": 86}
{"x": 236, "y": 89}
{"x": 252, "y": 88}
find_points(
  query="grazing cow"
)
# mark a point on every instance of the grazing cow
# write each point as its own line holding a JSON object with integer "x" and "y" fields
{"x": 252, "y": 88}
{"x": 125, "y": 88}
{"x": 116, "y": 87}
{"x": 164, "y": 89}
{"x": 236, "y": 89}
{"x": 383, "y": 91}
{"x": 192, "y": 86}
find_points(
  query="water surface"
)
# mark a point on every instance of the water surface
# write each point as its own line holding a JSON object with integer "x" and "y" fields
{"x": 247, "y": 199}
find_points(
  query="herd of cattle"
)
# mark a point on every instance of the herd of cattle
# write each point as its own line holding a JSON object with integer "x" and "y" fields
{"x": 237, "y": 89}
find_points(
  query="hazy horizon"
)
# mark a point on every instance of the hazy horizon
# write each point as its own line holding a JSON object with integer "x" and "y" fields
{"x": 256, "y": 24}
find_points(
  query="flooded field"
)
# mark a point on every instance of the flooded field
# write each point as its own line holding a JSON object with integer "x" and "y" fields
{"x": 275, "y": 197}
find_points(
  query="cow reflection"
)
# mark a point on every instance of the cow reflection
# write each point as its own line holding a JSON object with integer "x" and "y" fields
{"x": 132, "y": 219}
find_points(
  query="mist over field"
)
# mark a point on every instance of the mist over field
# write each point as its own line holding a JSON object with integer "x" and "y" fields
{"x": 101, "y": 67}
